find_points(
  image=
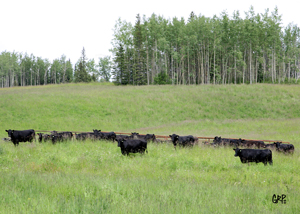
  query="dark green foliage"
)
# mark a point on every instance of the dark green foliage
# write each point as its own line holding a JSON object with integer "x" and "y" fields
{"x": 119, "y": 71}
{"x": 139, "y": 72}
{"x": 81, "y": 74}
{"x": 218, "y": 50}
{"x": 162, "y": 79}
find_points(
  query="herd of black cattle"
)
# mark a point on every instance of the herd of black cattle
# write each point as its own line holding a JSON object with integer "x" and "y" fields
{"x": 136, "y": 143}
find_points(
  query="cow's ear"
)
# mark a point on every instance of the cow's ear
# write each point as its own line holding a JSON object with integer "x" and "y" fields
{"x": 169, "y": 135}
{"x": 6, "y": 130}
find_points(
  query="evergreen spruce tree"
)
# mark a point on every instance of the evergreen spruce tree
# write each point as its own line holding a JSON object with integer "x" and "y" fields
{"x": 119, "y": 73}
{"x": 139, "y": 68}
{"x": 81, "y": 74}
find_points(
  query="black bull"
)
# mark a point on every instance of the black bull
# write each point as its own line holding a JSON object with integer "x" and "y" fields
{"x": 254, "y": 155}
{"x": 132, "y": 146}
{"x": 21, "y": 135}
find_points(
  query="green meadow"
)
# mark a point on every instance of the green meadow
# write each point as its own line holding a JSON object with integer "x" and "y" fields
{"x": 94, "y": 177}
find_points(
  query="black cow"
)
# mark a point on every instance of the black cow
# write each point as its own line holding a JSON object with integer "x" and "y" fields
{"x": 132, "y": 146}
{"x": 40, "y": 137}
{"x": 218, "y": 141}
{"x": 284, "y": 147}
{"x": 254, "y": 155}
{"x": 17, "y": 136}
{"x": 46, "y": 137}
{"x": 56, "y": 138}
{"x": 182, "y": 140}
{"x": 111, "y": 136}
{"x": 147, "y": 137}
{"x": 65, "y": 135}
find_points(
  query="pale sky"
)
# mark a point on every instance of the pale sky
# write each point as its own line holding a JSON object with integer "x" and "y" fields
{"x": 50, "y": 28}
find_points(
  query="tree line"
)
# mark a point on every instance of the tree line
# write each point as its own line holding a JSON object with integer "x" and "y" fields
{"x": 203, "y": 50}
{"x": 18, "y": 69}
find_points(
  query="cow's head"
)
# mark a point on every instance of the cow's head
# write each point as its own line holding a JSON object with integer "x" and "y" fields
{"x": 237, "y": 152}
{"x": 9, "y": 132}
{"x": 96, "y": 131}
{"x": 217, "y": 139}
{"x": 134, "y": 135}
{"x": 277, "y": 144}
{"x": 150, "y": 137}
{"x": 120, "y": 142}
{"x": 174, "y": 138}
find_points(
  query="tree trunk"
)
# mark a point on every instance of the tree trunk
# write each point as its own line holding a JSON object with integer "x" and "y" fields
{"x": 188, "y": 66}
{"x": 256, "y": 70}
{"x": 166, "y": 63}
{"x": 208, "y": 71}
{"x": 148, "y": 79}
{"x": 214, "y": 65}
{"x": 64, "y": 73}
{"x": 235, "y": 64}
{"x": 199, "y": 69}
{"x": 272, "y": 66}
{"x": 289, "y": 71}
{"x": 202, "y": 67}
{"x": 153, "y": 67}
{"x": 275, "y": 76}
{"x": 250, "y": 62}
{"x": 244, "y": 67}
{"x": 45, "y": 77}
{"x": 265, "y": 60}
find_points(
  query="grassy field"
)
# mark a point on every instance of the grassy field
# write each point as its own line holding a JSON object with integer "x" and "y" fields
{"x": 93, "y": 177}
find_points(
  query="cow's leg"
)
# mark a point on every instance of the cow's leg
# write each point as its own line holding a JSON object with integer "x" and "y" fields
{"x": 15, "y": 143}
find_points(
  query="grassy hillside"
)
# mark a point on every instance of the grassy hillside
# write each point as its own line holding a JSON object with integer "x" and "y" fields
{"x": 93, "y": 177}
{"x": 198, "y": 110}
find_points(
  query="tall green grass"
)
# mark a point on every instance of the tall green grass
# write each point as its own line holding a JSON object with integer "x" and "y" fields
{"x": 93, "y": 177}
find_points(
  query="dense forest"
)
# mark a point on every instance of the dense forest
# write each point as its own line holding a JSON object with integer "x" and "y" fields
{"x": 223, "y": 49}
{"x": 18, "y": 69}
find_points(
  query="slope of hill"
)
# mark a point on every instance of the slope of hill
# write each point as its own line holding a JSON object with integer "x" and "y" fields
{"x": 199, "y": 110}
